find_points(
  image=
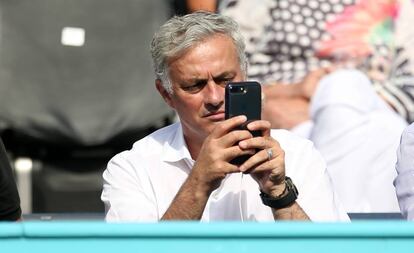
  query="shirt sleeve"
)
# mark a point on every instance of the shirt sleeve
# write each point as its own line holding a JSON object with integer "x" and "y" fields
{"x": 9, "y": 198}
{"x": 404, "y": 183}
{"x": 127, "y": 192}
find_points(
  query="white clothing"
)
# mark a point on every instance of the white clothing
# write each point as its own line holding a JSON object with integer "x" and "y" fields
{"x": 357, "y": 134}
{"x": 404, "y": 183}
{"x": 140, "y": 184}
{"x": 355, "y": 131}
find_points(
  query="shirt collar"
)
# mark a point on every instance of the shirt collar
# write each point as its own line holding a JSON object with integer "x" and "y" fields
{"x": 176, "y": 149}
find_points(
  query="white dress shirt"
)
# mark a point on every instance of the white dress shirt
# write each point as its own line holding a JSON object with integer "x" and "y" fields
{"x": 404, "y": 183}
{"x": 140, "y": 184}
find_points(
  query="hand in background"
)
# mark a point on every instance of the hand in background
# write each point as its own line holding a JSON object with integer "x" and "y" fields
{"x": 286, "y": 106}
{"x": 285, "y": 113}
{"x": 305, "y": 88}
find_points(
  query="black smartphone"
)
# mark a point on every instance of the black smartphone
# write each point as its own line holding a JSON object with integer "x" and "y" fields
{"x": 243, "y": 98}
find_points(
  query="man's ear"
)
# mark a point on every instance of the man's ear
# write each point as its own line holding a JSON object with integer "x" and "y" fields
{"x": 164, "y": 93}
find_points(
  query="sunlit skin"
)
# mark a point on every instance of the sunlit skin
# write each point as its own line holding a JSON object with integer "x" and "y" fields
{"x": 198, "y": 80}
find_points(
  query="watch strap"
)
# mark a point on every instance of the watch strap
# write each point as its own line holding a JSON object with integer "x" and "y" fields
{"x": 287, "y": 198}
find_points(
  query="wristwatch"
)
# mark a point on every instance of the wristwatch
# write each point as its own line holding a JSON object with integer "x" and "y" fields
{"x": 289, "y": 195}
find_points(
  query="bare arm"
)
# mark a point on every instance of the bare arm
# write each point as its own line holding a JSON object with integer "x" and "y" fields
{"x": 189, "y": 203}
{"x": 295, "y": 212}
{"x": 277, "y": 90}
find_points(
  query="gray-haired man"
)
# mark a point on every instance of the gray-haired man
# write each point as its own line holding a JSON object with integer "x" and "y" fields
{"x": 183, "y": 171}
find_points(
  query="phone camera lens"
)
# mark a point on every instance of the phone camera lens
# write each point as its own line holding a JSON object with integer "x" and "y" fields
{"x": 238, "y": 89}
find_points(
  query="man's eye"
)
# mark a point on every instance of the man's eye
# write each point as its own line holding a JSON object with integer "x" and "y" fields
{"x": 194, "y": 88}
{"x": 224, "y": 81}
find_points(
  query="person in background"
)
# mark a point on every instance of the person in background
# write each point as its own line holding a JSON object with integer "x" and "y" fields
{"x": 340, "y": 74}
{"x": 183, "y": 171}
{"x": 9, "y": 197}
{"x": 287, "y": 40}
{"x": 182, "y": 7}
{"x": 404, "y": 183}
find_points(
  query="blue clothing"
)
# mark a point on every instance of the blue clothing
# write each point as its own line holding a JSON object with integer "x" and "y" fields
{"x": 404, "y": 183}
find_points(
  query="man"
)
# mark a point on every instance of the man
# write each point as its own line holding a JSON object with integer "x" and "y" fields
{"x": 182, "y": 172}
{"x": 404, "y": 183}
{"x": 9, "y": 197}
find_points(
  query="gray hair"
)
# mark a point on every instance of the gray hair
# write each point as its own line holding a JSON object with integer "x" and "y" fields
{"x": 180, "y": 33}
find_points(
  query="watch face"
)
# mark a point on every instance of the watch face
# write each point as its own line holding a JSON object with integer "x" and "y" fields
{"x": 291, "y": 186}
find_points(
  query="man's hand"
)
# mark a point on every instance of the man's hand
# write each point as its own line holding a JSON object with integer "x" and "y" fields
{"x": 307, "y": 87}
{"x": 267, "y": 167}
{"x": 218, "y": 149}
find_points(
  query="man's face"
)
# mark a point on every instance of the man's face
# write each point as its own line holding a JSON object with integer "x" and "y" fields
{"x": 198, "y": 79}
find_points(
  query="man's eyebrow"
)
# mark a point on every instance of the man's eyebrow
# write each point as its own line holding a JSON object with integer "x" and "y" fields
{"x": 195, "y": 80}
{"x": 224, "y": 75}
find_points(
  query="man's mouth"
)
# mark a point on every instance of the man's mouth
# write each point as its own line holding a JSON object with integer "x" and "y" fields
{"x": 215, "y": 116}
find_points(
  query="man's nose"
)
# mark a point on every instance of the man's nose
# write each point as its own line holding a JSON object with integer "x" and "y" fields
{"x": 214, "y": 94}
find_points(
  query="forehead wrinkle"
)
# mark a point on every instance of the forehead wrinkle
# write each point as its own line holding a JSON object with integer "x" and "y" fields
{"x": 199, "y": 64}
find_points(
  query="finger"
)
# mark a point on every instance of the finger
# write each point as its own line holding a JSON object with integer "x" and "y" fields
{"x": 266, "y": 159}
{"x": 274, "y": 170}
{"x": 258, "y": 159}
{"x": 260, "y": 125}
{"x": 230, "y": 168}
{"x": 260, "y": 143}
{"x": 234, "y": 137}
{"x": 224, "y": 127}
{"x": 272, "y": 157}
{"x": 235, "y": 151}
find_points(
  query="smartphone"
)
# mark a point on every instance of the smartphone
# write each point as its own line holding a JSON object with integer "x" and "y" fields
{"x": 243, "y": 98}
